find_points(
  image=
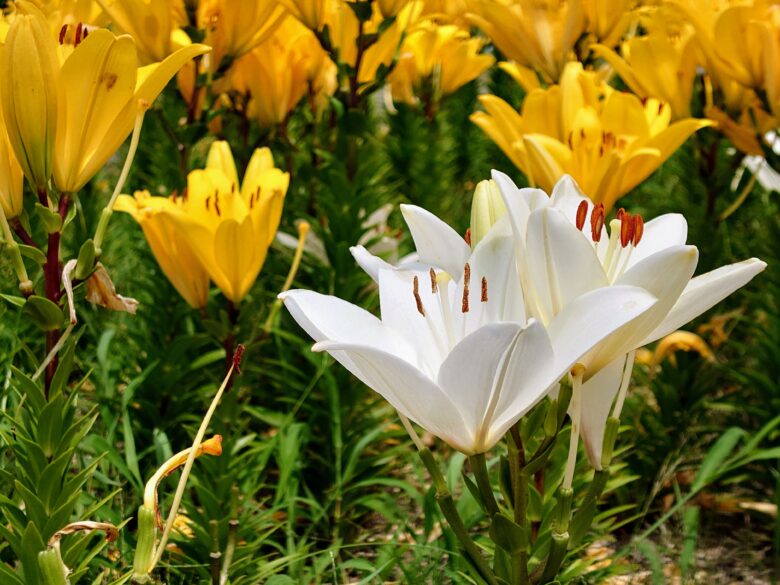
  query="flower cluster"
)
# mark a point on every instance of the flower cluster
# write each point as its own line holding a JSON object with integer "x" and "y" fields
{"x": 475, "y": 333}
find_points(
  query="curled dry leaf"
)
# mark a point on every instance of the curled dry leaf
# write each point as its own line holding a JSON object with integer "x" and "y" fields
{"x": 101, "y": 291}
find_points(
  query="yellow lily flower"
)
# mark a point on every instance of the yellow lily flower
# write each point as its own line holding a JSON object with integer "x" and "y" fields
{"x": 661, "y": 64}
{"x": 235, "y": 27}
{"x": 11, "y": 176}
{"x": 390, "y": 8}
{"x": 169, "y": 246}
{"x": 310, "y": 13}
{"x": 212, "y": 446}
{"x": 98, "y": 105}
{"x": 607, "y": 20}
{"x": 30, "y": 73}
{"x": 278, "y": 73}
{"x": 154, "y": 24}
{"x": 539, "y": 35}
{"x": 230, "y": 229}
{"x": 445, "y": 53}
{"x": 607, "y": 140}
{"x": 344, "y": 26}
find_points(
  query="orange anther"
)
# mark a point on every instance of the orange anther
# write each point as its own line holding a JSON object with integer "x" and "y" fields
{"x": 639, "y": 229}
{"x": 582, "y": 214}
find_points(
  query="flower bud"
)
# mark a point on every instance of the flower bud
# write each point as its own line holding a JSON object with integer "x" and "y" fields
{"x": 11, "y": 177}
{"x": 487, "y": 208}
{"x": 30, "y": 72}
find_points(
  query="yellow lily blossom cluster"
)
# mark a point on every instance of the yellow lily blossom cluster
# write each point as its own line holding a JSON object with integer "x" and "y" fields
{"x": 276, "y": 75}
{"x": 219, "y": 229}
{"x": 607, "y": 140}
{"x": 445, "y": 55}
{"x": 543, "y": 35}
{"x": 735, "y": 43}
{"x": 68, "y": 106}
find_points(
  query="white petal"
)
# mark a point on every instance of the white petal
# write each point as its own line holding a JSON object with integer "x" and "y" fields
{"x": 660, "y": 233}
{"x": 703, "y": 292}
{"x": 437, "y": 243}
{"x": 494, "y": 260}
{"x": 400, "y": 312}
{"x": 597, "y": 396}
{"x": 370, "y": 264}
{"x": 562, "y": 263}
{"x": 665, "y": 275}
{"x": 407, "y": 389}
{"x": 591, "y": 318}
{"x": 567, "y": 196}
{"x": 519, "y": 202}
{"x": 529, "y": 376}
{"x": 326, "y": 317}
{"x": 473, "y": 373}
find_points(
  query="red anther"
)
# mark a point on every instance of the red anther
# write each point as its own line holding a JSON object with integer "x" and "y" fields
{"x": 597, "y": 222}
{"x": 232, "y": 188}
{"x": 207, "y": 202}
{"x": 63, "y": 31}
{"x": 639, "y": 229}
{"x": 582, "y": 214}
{"x": 660, "y": 107}
{"x": 467, "y": 237}
{"x": 626, "y": 229}
{"x": 416, "y": 293}
{"x": 237, "y": 355}
{"x": 77, "y": 38}
{"x": 434, "y": 284}
{"x": 464, "y": 305}
{"x": 621, "y": 212}
{"x": 216, "y": 203}
{"x": 86, "y": 32}
{"x": 569, "y": 140}
{"x": 484, "y": 296}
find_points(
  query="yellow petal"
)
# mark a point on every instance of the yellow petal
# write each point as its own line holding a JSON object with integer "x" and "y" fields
{"x": 221, "y": 157}
{"x": 98, "y": 80}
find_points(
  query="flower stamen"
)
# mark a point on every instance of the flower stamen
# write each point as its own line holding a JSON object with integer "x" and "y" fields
{"x": 416, "y": 293}
{"x": 582, "y": 214}
{"x": 434, "y": 284}
{"x": 484, "y": 297}
{"x": 597, "y": 222}
{"x": 464, "y": 306}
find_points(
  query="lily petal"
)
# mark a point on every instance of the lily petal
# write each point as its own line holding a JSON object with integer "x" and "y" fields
{"x": 436, "y": 242}
{"x": 591, "y": 318}
{"x": 665, "y": 275}
{"x": 664, "y": 231}
{"x": 705, "y": 291}
{"x": 406, "y": 388}
{"x": 598, "y": 393}
{"x": 562, "y": 263}
{"x": 326, "y": 317}
{"x": 473, "y": 374}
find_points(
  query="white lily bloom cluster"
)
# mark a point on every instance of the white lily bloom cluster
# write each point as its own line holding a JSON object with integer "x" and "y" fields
{"x": 471, "y": 339}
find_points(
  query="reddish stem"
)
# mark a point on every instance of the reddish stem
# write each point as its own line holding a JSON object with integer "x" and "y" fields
{"x": 51, "y": 277}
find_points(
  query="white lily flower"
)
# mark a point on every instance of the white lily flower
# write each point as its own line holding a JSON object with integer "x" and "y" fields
{"x": 458, "y": 356}
{"x": 564, "y": 250}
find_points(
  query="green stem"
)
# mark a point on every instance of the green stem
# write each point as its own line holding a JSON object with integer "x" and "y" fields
{"x": 519, "y": 478}
{"x": 479, "y": 467}
{"x": 560, "y": 535}
{"x": 447, "y": 506}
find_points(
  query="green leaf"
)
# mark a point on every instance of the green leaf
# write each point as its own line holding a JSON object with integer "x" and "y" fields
{"x": 51, "y": 220}
{"x": 25, "y": 386}
{"x": 34, "y": 507}
{"x": 49, "y": 431}
{"x": 716, "y": 457}
{"x": 508, "y": 535}
{"x": 44, "y": 313}
{"x": 86, "y": 260}
{"x": 32, "y": 544}
{"x": 50, "y": 484}
{"x": 9, "y": 575}
{"x": 15, "y": 301}
{"x": 33, "y": 253}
